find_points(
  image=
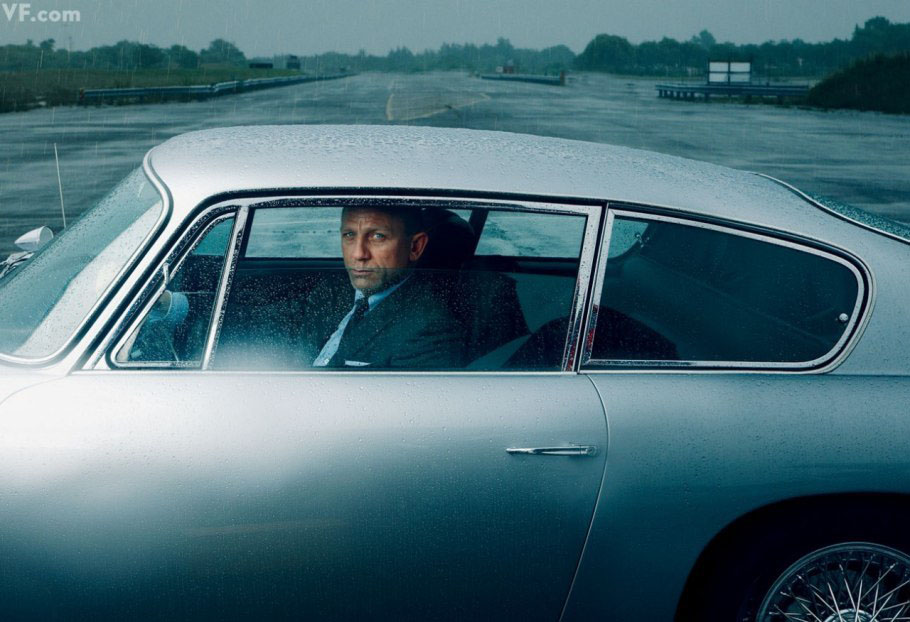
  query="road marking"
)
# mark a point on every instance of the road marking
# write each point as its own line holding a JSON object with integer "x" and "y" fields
{"x": 429, "y": 105}
{"x": 388, "y": 107}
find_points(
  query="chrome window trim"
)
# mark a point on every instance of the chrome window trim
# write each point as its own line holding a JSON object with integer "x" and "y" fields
{"x": 596, "y": 289}
{"x": 167, "y": 202}
{"x": 835, "y": 356}
{"x": 546, "y": 206}
{"x": 196, "y": 372}
{"x": 149, "y": 293}
{"x": 102, "y": 359}
{"x": 224, "y": 285}
{"x": 586, "y": 262}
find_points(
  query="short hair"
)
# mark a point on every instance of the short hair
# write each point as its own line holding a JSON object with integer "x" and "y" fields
{"x": 409, "y": 216}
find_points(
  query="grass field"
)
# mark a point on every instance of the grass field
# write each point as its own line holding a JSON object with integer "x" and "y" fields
{"x": 52, "y": 87}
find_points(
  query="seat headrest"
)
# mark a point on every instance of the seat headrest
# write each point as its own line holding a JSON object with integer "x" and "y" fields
{"x": 451, "y": 241}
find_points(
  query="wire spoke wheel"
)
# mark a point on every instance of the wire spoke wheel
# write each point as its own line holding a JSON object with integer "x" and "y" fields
{"x": 849, "y": 582}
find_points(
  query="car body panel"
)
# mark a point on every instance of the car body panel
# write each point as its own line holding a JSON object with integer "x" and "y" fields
{"x": 883, "y": 347}
{"x": 198, "y": 165}
{"x": 13, "y": 380}
{"x": 689, "y": 454}
{"x": 279, "y": 495}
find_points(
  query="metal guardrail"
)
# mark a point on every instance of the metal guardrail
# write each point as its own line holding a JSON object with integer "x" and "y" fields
{"x": 689, "y": 91}
{"x": 202, "y": 90}
{"x": 521, "y": 77}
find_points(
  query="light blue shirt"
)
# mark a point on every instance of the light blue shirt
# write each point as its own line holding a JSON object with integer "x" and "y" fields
{"x": 331, "y": 346}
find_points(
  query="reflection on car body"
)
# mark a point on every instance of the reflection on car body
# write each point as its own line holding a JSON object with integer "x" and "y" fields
{"x": 188, "y": 434}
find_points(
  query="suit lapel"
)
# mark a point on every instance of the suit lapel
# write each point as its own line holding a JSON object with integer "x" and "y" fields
{"x": 357, "y": 341}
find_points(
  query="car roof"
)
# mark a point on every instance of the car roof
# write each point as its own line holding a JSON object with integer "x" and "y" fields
{"x": 198, "y": 165}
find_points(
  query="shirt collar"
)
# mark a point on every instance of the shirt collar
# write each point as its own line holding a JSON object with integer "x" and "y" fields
{"x": 378, "y": 297}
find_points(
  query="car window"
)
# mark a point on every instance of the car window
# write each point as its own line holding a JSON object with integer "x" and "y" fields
{"x": 696, "y": 294}
{"x": 625, "y": 236}
{"x": 43, "y": 302}
{"x": 173, "y": 333}
{"x": 284, "y": 232}
{"x": 542, "y": 235}
{"x": 293, "y": 304}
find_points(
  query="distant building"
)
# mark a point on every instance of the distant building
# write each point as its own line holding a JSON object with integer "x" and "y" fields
{"x": 261, "y": 64}
{"x": 286, "y": 61}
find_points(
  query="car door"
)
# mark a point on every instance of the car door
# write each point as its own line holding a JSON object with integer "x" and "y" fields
{"x": 153, "y": 490}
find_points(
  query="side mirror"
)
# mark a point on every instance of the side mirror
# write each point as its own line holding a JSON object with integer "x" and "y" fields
{"x": 34, "y": 239}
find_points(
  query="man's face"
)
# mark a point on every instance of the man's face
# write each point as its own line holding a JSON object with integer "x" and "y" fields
{"x": 376, "y": 249}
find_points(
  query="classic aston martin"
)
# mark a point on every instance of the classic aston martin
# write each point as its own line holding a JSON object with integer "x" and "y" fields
{"x": 325, "y": 372}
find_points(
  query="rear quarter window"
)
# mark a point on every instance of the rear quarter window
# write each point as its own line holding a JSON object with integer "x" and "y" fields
{"x": 679, "y": 292}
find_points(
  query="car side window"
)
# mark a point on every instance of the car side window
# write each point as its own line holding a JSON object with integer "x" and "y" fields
{"x": 173, "y": 332}
{"x": 709, "y": 296}
{"x": 517, "y": 234}
{"x": 319, "y": 288}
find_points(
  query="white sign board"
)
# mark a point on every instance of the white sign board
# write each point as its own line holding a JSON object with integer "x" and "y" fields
{"x": 725, "y": 72}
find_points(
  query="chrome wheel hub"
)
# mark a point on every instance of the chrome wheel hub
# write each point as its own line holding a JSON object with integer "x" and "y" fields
{"x": 850, "y": 614}
{"x": 850, "y": 582}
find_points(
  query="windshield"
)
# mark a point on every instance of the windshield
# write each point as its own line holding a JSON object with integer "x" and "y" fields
{"x": 43, "y": 302}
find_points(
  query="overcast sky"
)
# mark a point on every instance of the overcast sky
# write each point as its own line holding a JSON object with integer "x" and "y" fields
{"x": 310, "y": 26}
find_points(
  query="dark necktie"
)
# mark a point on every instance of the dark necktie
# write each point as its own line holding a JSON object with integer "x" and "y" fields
{"x": 361, "y": 306}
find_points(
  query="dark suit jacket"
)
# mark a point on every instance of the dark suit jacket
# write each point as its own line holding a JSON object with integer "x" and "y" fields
{"x": 409, "y": 329}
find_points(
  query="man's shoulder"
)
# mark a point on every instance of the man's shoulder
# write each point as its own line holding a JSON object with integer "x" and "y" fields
{"x": 421, "y": 293}
{"x": 423, "y": 333}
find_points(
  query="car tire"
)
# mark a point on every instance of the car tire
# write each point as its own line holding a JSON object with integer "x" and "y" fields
{"x": 814, "y": 563}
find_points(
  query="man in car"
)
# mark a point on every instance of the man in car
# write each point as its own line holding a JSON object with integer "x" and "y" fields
{"x": 394, "y": 318}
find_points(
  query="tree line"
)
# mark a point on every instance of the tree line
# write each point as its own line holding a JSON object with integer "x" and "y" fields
{"x": 877, "y": 82}
{"x": 450, "y": 56}
{"x": 121, "y": 56}
{"x": 606, "y": 52}
{"x": 132, "y": 56}
{"x": 782, "y": 58}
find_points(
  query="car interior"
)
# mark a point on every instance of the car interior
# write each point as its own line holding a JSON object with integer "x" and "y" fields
{"x": 705, "y": 295}
{"x": 513, "y": 309}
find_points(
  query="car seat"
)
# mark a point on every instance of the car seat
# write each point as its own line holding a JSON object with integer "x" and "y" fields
{"x": 481, "y": 297}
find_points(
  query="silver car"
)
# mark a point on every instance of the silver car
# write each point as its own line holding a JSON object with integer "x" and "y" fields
{"x": 636, "y": 387}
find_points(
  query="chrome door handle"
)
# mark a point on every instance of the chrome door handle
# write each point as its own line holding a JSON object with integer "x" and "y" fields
{"x": 567, "y": 450}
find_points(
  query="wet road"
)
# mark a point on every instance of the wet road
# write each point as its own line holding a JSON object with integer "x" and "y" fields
{"x": 857, "y": 158}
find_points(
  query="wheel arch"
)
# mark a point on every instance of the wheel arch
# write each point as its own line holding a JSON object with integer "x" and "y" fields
{"x": 741, "y": 535}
